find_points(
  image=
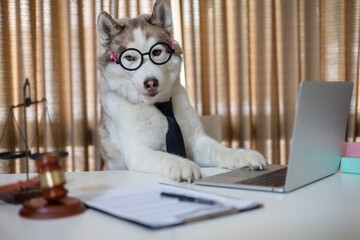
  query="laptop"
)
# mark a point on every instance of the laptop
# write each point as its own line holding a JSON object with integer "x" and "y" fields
{"x": 318, "y": 136}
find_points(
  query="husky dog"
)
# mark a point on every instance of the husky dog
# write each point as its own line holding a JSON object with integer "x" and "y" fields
{"x": 140, "y": 64}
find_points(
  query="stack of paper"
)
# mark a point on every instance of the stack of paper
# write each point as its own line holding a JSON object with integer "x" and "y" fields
{"x": 145, "y": 206}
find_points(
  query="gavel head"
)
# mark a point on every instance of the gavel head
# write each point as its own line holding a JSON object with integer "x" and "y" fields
{"x": 51, "y": 177}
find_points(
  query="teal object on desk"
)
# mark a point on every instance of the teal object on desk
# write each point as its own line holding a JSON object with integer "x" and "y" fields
{"x": 350, "y": 165}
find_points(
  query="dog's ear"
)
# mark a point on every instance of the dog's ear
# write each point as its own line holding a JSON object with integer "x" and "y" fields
{"x": 161, "y": 16}
{"x": 107, "y": 27}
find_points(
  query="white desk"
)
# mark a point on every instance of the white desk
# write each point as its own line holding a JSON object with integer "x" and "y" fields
{"x": 327, "y": 209}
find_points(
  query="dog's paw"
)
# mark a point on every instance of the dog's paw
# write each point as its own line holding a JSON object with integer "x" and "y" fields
{"x": 244, "y": 159}
{"x": 184, "y": 170}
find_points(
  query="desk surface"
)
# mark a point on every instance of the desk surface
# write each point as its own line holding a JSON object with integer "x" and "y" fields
{"x": 327, "y": 209}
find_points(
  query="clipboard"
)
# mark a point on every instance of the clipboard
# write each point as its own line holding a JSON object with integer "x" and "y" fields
{"x": 144, "y": 205}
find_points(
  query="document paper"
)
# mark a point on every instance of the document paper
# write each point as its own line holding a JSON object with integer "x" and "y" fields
{"x": 145, "y": 206}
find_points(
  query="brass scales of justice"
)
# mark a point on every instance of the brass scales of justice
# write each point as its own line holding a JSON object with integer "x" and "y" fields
{"x": 43, "y": 197}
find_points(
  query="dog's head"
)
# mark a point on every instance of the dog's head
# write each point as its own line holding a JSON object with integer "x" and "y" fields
{"x": 130, "y": 63}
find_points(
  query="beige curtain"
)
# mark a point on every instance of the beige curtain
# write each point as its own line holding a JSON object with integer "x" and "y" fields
{"x": 244, "y": 60}
{"x": 53, "y": 43}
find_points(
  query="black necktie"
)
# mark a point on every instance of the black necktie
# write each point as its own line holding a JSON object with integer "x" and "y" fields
{"x": 174, "y": 139}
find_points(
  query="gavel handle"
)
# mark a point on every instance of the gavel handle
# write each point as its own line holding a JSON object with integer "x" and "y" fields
{"x": 19, "y": 185}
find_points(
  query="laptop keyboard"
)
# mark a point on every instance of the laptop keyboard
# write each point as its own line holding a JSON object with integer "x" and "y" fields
{"x": 272, "y": 179}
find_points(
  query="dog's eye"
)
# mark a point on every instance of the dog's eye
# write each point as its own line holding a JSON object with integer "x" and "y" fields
{"x": 130, "y": 58}
{"x": 156, "y": 52}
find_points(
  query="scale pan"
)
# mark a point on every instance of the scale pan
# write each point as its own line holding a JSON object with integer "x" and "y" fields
{"x": 35, "y": 156}
{"x": 13, "y": 155}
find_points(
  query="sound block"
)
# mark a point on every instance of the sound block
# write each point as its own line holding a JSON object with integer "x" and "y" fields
{"x": 40, "y": 208}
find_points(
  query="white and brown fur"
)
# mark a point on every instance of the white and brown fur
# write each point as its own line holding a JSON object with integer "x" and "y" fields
{"x": 133, "y": 130}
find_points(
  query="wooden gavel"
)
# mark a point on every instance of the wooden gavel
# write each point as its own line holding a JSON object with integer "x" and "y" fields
{"x": 54, "y": 202}
{"x": 51, "y": 179}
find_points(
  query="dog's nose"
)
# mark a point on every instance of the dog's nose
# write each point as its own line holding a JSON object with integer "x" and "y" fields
{"x": 151, "y": 84}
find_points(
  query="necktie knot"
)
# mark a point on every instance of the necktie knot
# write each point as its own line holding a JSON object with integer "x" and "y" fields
{"x": 166, "y": 108}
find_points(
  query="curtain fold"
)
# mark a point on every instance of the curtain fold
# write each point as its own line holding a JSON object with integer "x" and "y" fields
{"x": 254, "y": 54}
{"x": 54, "y": 45}
{"x": 243, "y": 60}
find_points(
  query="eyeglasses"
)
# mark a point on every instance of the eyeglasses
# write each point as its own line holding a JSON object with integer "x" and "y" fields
{"x": 131, "y": 59}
